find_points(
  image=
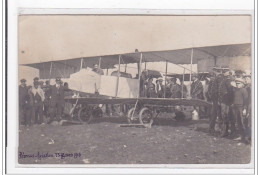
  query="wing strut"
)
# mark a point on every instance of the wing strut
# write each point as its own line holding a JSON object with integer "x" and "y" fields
{"x": 166, "y": 72}
{"x": 191, "y": 59}
{"x": 118, "y": 74}
{"x": 140, "y": 72}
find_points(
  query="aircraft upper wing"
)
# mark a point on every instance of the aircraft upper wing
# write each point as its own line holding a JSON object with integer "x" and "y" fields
{"x": 64, "y": 68}
{"x": 142, "y": 101}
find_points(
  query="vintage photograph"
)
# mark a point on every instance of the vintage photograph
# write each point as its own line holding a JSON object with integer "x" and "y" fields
{"x": 135, "y": 89}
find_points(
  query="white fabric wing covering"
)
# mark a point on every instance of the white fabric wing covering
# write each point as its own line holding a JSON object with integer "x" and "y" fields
{"x": 88, "y": 81}
{"x": 84, "y": 81}
{"x": 127, "y": 87}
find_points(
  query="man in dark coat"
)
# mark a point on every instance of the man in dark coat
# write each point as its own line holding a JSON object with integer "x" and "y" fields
{"x": 56, "y": 100}
{"x": 213, "y": 97}
{"x": 22, "y": 100}
{"x": 175, "y": 89}
{"x": 47, "y": 95}
{"x": 225, "y": 99}
{"x": 196, "y": 88}
{"x": 29, "y": 107}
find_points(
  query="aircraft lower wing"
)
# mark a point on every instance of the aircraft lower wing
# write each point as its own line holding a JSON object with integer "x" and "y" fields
{"x": 140, "y": 101}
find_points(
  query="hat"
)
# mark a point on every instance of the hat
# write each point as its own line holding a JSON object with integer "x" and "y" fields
{"x": 36, "y": 79}
{"x": 239, "y": 72}
{"x": 239, "y": 80}
{"x": 23, "y": 80}
{"x": 58, "y": 79}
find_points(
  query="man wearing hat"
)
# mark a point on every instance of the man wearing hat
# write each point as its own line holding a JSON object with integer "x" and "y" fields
{"x": 184, "y": 90}
{"x": 225, "y": 99}
{"x": 22, "y": 95}
{"x": 56, "y": 100}
{"x": 196, "y": 88}
{"x": 160, "y": 88}
{"x": 240, "y": 107}
{"x": 38, "y": 97}
{"x": 150, "y": 90}
{"x": 36, "y": 79}
{"x": 175, "y": 88}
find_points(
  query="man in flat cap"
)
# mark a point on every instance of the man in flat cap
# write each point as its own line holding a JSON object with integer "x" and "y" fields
{"x": 56, "y": 100}
{"x": 22, "y": 95}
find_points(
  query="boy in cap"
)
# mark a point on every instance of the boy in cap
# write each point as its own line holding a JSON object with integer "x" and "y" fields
{"x": 239, "y": 108}
{"x": 22, "y": 94}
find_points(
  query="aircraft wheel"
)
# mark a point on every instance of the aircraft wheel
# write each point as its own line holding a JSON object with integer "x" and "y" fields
{"x": 146, "y": 116}
{"x": 132, "y": 118}
{"x": 85, "y": 115}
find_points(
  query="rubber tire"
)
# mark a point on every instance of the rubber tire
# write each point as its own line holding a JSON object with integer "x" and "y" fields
{"x": 129, "y": 115}
{"x": 143, "y": 110}
{"x": 88, "y": 119}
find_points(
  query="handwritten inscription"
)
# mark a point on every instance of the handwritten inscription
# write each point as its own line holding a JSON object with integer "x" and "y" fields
{"x": 40, "y": 156}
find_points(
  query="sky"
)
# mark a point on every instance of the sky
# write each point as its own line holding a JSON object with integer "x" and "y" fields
{"x": 51, "y": 37}
{"x": 58, "y": 37}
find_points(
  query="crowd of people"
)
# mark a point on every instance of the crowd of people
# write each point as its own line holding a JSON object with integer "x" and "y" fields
{"x": 41, "y": 99}
{"x": 170, "y": 89}
{"x": 230, "y": 94}
{"x": 228, "y": 91}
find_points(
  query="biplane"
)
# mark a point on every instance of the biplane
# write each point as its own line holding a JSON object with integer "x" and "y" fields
{"x": 120, "y": 88}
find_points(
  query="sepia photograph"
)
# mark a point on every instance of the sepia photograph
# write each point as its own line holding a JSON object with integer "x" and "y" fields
{"x": 135, "y": 89}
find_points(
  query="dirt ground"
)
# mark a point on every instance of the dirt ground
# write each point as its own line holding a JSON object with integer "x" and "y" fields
{"x": 103, "y": 141}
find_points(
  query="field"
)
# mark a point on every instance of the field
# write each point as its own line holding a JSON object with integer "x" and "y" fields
{"x": 103, "y": 141}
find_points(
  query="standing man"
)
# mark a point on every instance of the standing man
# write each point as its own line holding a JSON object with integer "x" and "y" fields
{"x": 38, "y": 97}
{"x": 47, "y": 95}
{"x": 29, "y": 107}
{"x": 160, "y": 88}
{"x": 150, "y": 91}
{"x": 56, "y": 100}
{"x": 175, "y": 89}
{"x": 196, "y": 91}
{"x": 213, "y": 97}
{"x": 22, "y": 94}
{"x": 225, "y": 99}
{"x": 184, "y": 90}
